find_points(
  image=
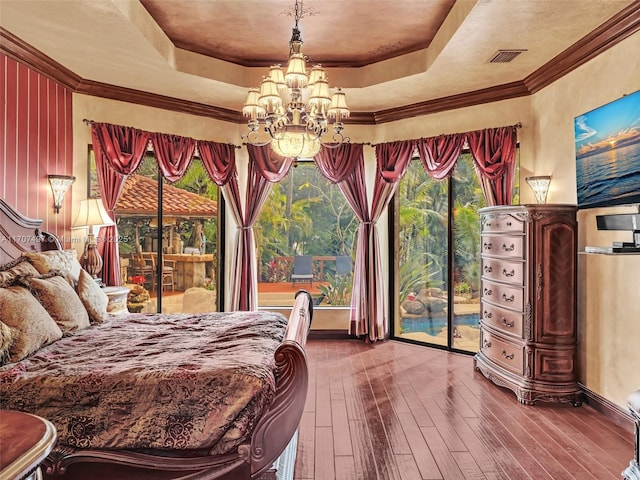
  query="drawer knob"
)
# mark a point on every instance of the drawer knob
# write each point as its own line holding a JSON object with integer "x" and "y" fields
{"x": 508, "y": 274}
{"x": 508, "y": 357}
{"x": 487, "y": 291}
{"x": 486, "y": 246}
{"x": 510, "y": 248}
{"x": 487, "y": 314}
{"x": 507, "y": 323}
{"x": 488, "y": 269}
{"x": 508, "y": 299}
{"x": 487, "y": 344}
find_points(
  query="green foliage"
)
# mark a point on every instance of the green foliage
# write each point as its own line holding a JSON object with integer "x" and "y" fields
{"x": 305, "y": 214}
{"x": 338, "y": 291}
{"x": 414, "y": 275}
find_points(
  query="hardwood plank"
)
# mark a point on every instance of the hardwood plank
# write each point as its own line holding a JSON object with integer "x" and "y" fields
{"x": 341, "y": 434}
{"x": 444, "y": 425}
{"x": 408, "y": 468}
{"x": 345, "y": 467}
{"x": 424, "y": 459}
{"x": 396, "y": 411}
{"x": 324, "y": 458}
{"x": 363, "y": 458}
{"x": 468, "y": 466}
{"x": 305, "y": 453}
{"x": 444, "y": 459}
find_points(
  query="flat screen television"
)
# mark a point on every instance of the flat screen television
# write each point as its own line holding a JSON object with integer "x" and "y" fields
{"x": 622, "y": 221}
{"x": 607, "y": 142}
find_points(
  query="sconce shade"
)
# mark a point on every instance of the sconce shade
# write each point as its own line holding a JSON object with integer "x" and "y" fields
{"x": 540, "y": 187}
{"x": 59, "y": 186}
{"x": 92, "y": 214}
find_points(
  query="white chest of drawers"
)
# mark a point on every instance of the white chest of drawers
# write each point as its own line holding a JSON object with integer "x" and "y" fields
{"x": 528, "y": 301}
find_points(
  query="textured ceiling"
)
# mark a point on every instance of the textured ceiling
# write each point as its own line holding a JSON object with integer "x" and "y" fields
{"x": 385, "y": 54}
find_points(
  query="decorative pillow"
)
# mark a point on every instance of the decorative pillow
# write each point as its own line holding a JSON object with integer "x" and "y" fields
{"x": 93, "y": 298}
{"x": 20, "y": 266}
{"x": 31, "y": 326}
{"x": 6, "y": 340}
{"x": 65, "y": 261}
{"x": 59, "y": 299}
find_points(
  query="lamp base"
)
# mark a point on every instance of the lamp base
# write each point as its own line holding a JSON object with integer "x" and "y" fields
{"x": 91, "y": 260}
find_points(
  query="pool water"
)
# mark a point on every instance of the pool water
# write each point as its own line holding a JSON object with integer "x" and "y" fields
{"x": 432, "y": 326}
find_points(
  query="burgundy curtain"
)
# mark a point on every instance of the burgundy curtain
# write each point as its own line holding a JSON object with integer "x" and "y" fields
{"x": 118, "y": 151}
{"x": 392, "y": 161}
{"x": 265, "y": 168}
{"x": 344, "y": 166}
{"x": 174, "y": 154}
{"x": 439, "y": 154}
{"x": 494, "y": 155}
{"x": 220, "y": 163}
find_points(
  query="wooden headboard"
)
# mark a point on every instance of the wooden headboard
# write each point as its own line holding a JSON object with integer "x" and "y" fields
{"x": 21, "y": 234}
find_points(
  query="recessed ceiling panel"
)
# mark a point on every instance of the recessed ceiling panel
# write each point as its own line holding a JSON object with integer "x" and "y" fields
{"x": 335, "y": 32}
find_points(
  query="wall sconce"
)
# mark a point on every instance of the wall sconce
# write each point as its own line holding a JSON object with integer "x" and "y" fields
{"x": 540, "y": 187}
{"x": 92, "y": 214}
{"x": 59, "y": 186}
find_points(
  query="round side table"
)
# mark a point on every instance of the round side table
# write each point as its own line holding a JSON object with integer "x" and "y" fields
{"x": 117, "y": 299}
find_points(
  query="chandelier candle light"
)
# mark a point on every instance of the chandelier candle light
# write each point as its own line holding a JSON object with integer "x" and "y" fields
{"x": 295, "y": 107}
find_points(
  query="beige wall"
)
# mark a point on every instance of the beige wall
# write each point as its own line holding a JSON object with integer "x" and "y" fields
{"x": 609, "y": 317}
{"x": 608, "y": 285}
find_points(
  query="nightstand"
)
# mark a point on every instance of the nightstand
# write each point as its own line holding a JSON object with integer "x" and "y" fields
{"x": 26, "y": 441}
{"x": 117, "y": 299}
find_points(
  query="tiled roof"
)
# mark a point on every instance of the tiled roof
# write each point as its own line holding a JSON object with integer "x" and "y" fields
{"x": 140, "y": 197}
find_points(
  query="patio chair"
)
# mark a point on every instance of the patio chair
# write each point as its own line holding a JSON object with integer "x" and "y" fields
{"x": 343, "y": 265}
{"x": 168, "y": 275}
{"x": 143, "y": 265}
{"x": 302, "y": 269}
{"x": 167, "y": 278}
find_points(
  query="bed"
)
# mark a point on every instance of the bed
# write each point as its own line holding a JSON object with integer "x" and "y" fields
{"x": 142, "y": 396}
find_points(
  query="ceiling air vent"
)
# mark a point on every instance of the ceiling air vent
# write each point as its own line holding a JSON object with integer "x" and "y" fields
{"x": 505, "y": 56}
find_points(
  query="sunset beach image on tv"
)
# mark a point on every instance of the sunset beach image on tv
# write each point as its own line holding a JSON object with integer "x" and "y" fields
{"x": 608, "y": 154}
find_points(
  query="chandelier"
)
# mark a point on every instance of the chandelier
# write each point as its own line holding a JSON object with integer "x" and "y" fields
{"x": 295, "y": 107}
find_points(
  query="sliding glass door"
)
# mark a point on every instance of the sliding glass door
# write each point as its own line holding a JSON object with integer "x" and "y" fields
{"x": 436, "y": 235}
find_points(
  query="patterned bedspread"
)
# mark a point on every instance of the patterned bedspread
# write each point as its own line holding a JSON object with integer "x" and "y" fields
{"x": 170, "y": 381}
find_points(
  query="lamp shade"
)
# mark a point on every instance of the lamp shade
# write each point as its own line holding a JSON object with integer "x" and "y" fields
{"x": 92, "y": 214}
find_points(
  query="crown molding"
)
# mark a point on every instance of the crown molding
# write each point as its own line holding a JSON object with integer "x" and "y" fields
{"x": 139, "y": 97}
{"x": 610, "y": 33}
{"x": 22, "y": 52}
{"x": 486, "y": 95}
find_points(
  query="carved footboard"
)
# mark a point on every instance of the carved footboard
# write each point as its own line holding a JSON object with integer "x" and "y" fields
{"x": 270, "y": 437}
{"x": 277, "y": 426}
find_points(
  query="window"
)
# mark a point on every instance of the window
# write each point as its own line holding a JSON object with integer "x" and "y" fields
{"x": 305, "y": 216}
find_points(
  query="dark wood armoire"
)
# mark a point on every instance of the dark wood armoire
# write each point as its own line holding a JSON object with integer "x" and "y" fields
{"x": 528, "y": 301}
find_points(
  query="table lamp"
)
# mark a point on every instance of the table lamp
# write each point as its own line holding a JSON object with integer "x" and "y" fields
{"x": 92, "y": 214}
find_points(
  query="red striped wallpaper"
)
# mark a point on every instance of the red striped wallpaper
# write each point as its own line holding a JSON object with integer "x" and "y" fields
{"x": 36, "y": 139}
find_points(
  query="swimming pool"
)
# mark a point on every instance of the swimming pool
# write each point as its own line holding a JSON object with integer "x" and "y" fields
{"x": 432, "y": 326}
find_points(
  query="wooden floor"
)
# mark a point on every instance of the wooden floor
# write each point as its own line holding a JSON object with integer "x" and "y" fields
{"x": 399, "y": 411}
